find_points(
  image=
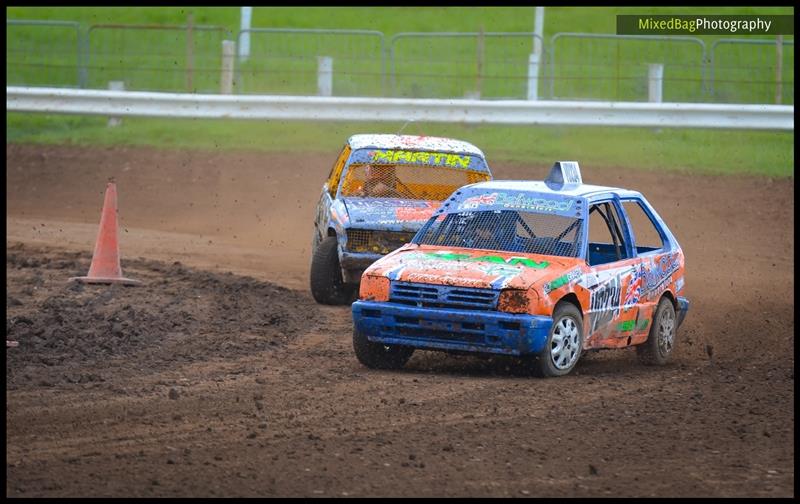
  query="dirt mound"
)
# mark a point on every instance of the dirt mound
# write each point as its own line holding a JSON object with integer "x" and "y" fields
{"x": 179, "y": 315}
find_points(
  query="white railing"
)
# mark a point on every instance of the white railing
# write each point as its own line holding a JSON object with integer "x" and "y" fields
{"x": 183, "y": 105}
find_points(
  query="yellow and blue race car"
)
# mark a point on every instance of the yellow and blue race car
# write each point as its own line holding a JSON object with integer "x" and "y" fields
{"x": 381, "y": 190}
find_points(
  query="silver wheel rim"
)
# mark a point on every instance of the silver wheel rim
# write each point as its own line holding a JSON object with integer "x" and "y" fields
{"x": 565, "y": 343}
{"x": 666, "y": 332}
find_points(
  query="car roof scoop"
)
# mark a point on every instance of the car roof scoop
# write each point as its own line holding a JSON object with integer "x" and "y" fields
{"x": 564, "y": 175}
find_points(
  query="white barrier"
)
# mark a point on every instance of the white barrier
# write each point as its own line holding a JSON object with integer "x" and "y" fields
{"x": 184, "y": 105}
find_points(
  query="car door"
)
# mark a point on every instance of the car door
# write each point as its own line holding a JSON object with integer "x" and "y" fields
{"x": 656, "y": 263}
{"x": 612, "y": 264}
{"x": 329, "y": 190}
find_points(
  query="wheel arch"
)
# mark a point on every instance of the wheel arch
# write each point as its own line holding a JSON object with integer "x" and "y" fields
{"x": 669, "y": 295}
{"x": 570, "y": 298}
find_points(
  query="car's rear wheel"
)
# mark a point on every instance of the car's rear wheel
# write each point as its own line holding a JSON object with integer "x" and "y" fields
{"x": 658, "y": 348}
{"x": 327, "y": 285}
{"x": 378, "y": 355}
{"x": 564, "y": 342}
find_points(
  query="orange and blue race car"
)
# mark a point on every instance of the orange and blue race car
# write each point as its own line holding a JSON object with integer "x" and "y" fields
{"x": 540, "y": 270}
{"x": 380, "y": 192}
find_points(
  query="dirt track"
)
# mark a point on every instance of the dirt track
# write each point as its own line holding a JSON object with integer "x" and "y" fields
{"x": 203, "y": 383}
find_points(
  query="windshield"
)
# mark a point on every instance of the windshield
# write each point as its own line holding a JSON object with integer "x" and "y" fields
{"x": 422, "y": 182}
{"x": 504, "y": 230}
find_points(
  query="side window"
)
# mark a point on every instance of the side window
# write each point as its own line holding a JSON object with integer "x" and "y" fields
{"x": 336, "y": 171}
{"x": 606, "y": 242}
{"x": 645, "y": 233}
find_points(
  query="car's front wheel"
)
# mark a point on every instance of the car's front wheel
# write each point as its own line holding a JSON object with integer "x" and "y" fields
{"x": 564, "y": 342}
{"x": 327, "y": 285}
{"x": 657, "y": 350}
{"x": 378, "y": 355}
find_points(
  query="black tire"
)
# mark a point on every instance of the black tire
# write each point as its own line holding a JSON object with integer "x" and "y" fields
{"x": 314, "y": 245}
{"x": 567, "y": 324}
{"x": 660, "y": 344}
{"x": 378, "y": 355}
{"x": 327, "y": 285}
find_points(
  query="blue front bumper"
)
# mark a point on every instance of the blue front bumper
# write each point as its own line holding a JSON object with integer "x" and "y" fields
{"x": 451, "y": 329}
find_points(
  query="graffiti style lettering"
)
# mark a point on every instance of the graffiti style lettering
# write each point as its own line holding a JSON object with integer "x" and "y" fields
{"x": 520, "y": 201}
{"x": 415, "y": 261}
{"x": 655, "y": 293}
{"x": 430, "y": 158}
{"x": 540, "y": 204}
{"x": 667, "y": 264}
{"x": 414, "y": 214}
{"x": 476, "y": 201}
{"x": 561, "y": 281}
{"x": 634, "y": 292}
{"x": 454, "y": 280}
{"x": 366, "y": 205}
{"x": 605, "y": 303}
{"x": 530, "y": 263}
{"x": 513, "y": 261}
{"x": 456, "y": 160}
{"x": 447, "y": 256}
{"x": 499, "y": 270}
{"x": 382, "y": 156}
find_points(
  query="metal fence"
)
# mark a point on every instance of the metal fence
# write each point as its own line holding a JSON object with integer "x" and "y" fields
{"x": 156, "y": 57}
{"x": 752, "y": 71}
{"x": 462, "y": 65}
{"x": 615, "y": 67}
{"x": 310, "y": 62}
{"x": 45, "y": 53}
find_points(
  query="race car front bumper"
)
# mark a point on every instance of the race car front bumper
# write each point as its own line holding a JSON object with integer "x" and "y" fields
{"x": 451, "y": 329}
{"x": 353, "y": 265}
{"x": 358, "y": 260}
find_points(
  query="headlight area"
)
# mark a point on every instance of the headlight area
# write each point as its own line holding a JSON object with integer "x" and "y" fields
{"x": 381, "y": 242}
{"x": 374, "y": 288}
{"x": 517, "y": 301}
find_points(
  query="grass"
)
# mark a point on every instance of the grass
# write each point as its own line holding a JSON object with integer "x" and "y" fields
{"x": 495, "y": 67}
{"x": 620, "y": 74}
{"x": 389, "y": 20}
{"x": 702, "y": 151}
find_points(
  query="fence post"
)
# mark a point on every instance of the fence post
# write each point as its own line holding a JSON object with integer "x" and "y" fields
{"x": 536, "y": 56}
{"x": 324, "y": 76}
{"x": 655, "y": 83}
{"x": 244, "y": 40}
{"x": 481, "y": 52}
{"x": 779, "y": 70}
{"x": 226, "y": 78}
{"x": 533, "y": 76}
{"x": 115, "y": 86}
{"x": 189, "y": 52}
{"x": 83, "y": 58}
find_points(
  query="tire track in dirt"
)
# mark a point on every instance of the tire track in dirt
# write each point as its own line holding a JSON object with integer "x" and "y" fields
{"x": 304, "y": 418}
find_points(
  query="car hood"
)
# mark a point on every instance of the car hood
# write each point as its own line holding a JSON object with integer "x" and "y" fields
{"x": 389, "y": 213}
{"x": 465, "y": 267}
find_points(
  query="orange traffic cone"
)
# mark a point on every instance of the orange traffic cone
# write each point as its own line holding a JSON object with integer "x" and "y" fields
{"x": 105, "y": 268}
